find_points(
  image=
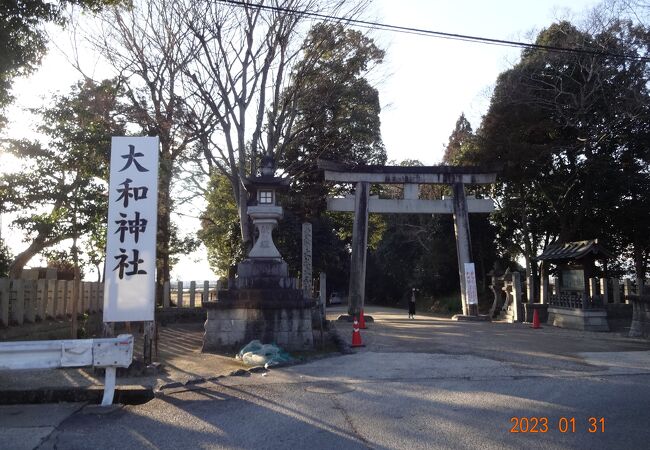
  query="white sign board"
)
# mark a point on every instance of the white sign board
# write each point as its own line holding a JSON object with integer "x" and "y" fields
{"x": 470, "y": 284}
{"x": 129, "y": 288}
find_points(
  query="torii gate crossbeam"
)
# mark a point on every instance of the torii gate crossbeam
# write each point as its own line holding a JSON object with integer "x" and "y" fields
{"x": 411, "y": 177}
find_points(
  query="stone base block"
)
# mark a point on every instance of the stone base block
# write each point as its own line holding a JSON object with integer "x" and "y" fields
{"x": 230, "y": 329}
{"x": 578, "y": 319}
{"x": 529, "y": 309}
{"x": 467, "y": 318}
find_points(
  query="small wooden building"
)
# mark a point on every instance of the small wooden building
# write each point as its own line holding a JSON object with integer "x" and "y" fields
{"x": 573, "y": 305}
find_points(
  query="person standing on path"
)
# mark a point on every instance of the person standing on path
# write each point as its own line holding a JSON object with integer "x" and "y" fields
{"x": 412, "y": 305}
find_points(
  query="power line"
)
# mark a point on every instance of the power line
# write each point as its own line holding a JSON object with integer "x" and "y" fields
{"x": 433, "y": 33}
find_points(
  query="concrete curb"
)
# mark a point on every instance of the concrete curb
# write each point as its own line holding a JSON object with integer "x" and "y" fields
{"x": 349, "y": 318}
{"x": 130, "y": 395}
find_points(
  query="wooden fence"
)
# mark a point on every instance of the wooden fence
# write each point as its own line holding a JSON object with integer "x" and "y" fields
{"x": 29, "y": 301}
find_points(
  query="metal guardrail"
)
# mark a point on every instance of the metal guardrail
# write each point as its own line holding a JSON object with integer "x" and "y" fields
{"x": 108, "y": 353}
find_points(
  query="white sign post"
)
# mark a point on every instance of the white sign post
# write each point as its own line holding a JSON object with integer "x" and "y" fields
{"x": 129, "y": 288}
{"x": 470, "y": 284}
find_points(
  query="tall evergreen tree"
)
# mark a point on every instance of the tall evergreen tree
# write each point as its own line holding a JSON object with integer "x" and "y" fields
{"x": 462, "y": 135}
{"x": 570, "y": 130}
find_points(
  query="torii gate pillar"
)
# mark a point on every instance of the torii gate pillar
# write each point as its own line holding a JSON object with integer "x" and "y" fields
{"x": 357, "y": 286}
{"x": 463, "y": 243}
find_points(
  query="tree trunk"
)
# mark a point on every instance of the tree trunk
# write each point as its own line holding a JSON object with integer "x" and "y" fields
{"x": 639, "y": 267}
{"x": 245, "y": 224}
{"x": 37, "y": 245}
{"x": 164, "y": 224}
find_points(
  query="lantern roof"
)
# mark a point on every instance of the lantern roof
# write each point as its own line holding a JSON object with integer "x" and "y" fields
{"x": 267, "y": 179}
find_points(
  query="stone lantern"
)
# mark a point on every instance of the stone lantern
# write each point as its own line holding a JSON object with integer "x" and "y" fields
{"x": 264, "y": 210}
{"x": 264, "y": 302}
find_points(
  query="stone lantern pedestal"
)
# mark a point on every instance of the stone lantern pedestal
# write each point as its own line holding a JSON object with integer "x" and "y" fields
{"x": 264, "y": 303}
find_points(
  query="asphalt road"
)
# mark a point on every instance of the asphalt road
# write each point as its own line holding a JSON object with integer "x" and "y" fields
{"x": 428, "y": 383}
{"x": 406, "y": 414}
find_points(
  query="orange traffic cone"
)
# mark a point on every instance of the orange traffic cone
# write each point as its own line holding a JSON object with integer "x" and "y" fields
{"x": 356, "y": 335}
{"x": 362, "y": 321}
{"x": 536, "y": 319}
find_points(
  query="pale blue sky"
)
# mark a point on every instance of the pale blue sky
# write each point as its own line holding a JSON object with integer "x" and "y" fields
{"x": 432, "y": 81}
{"x": 424, "y": 84}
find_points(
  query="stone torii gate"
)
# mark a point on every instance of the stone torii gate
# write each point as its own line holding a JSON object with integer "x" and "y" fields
{"x": 361, "y": 203}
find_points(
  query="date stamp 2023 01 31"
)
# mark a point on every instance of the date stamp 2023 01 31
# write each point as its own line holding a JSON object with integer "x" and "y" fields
{"x": 561, "y": 424}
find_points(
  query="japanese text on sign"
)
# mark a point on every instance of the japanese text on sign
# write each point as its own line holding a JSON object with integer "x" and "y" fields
{"x": 470, "y": 284}
{"x": 129, "y": 291}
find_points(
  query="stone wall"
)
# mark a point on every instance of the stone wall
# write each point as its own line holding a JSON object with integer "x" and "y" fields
{"x": 578, "y": 319}
{"x": 229, "y": 329}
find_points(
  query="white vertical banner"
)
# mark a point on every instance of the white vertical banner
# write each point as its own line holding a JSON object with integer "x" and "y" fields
{"x": 129, "y": 288}
{"x": 470, "y": 284}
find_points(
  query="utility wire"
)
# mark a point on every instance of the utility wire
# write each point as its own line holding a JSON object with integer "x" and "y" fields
{"x": 433, "y": 33}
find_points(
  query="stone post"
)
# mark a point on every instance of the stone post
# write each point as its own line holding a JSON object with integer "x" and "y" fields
{"x": 530, "y": 289}
{"x": 149, "y": 334}
{"x": 616, "y": 290}
{"x": 544, "y": 287}
{"x": 604, "y": 288}
{"x": 52, "y": 292}
{"x": 594, "y": 290}
{"x": 179, "y": 294}
{"x": 516, "y": 296}
{"x": 30, "y": 300}
{"x": 221, "y": 283}
{"x": 463, "y": 241}
{"x": 322, "y": 288}
{"x": 17, "y": 307}
{"x": 61, "y": 300}
{"x": 359, "y": 245}
{"x": 42, "y": 299}
{"x": 192, "y": 294}
{"x": 627, "y": 289}
{"x": 307, "y": 282}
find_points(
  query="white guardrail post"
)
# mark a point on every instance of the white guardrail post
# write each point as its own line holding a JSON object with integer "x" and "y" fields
{"x": 108, "y": 353}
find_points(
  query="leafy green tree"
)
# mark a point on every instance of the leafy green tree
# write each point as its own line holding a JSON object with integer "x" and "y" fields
{"x": 61, "y": 194}
{"x": 220, "y": 227}
{"x": 23, "y": 37}
{"x": 5, "y": 259}
{"x": 565, "y": 127}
